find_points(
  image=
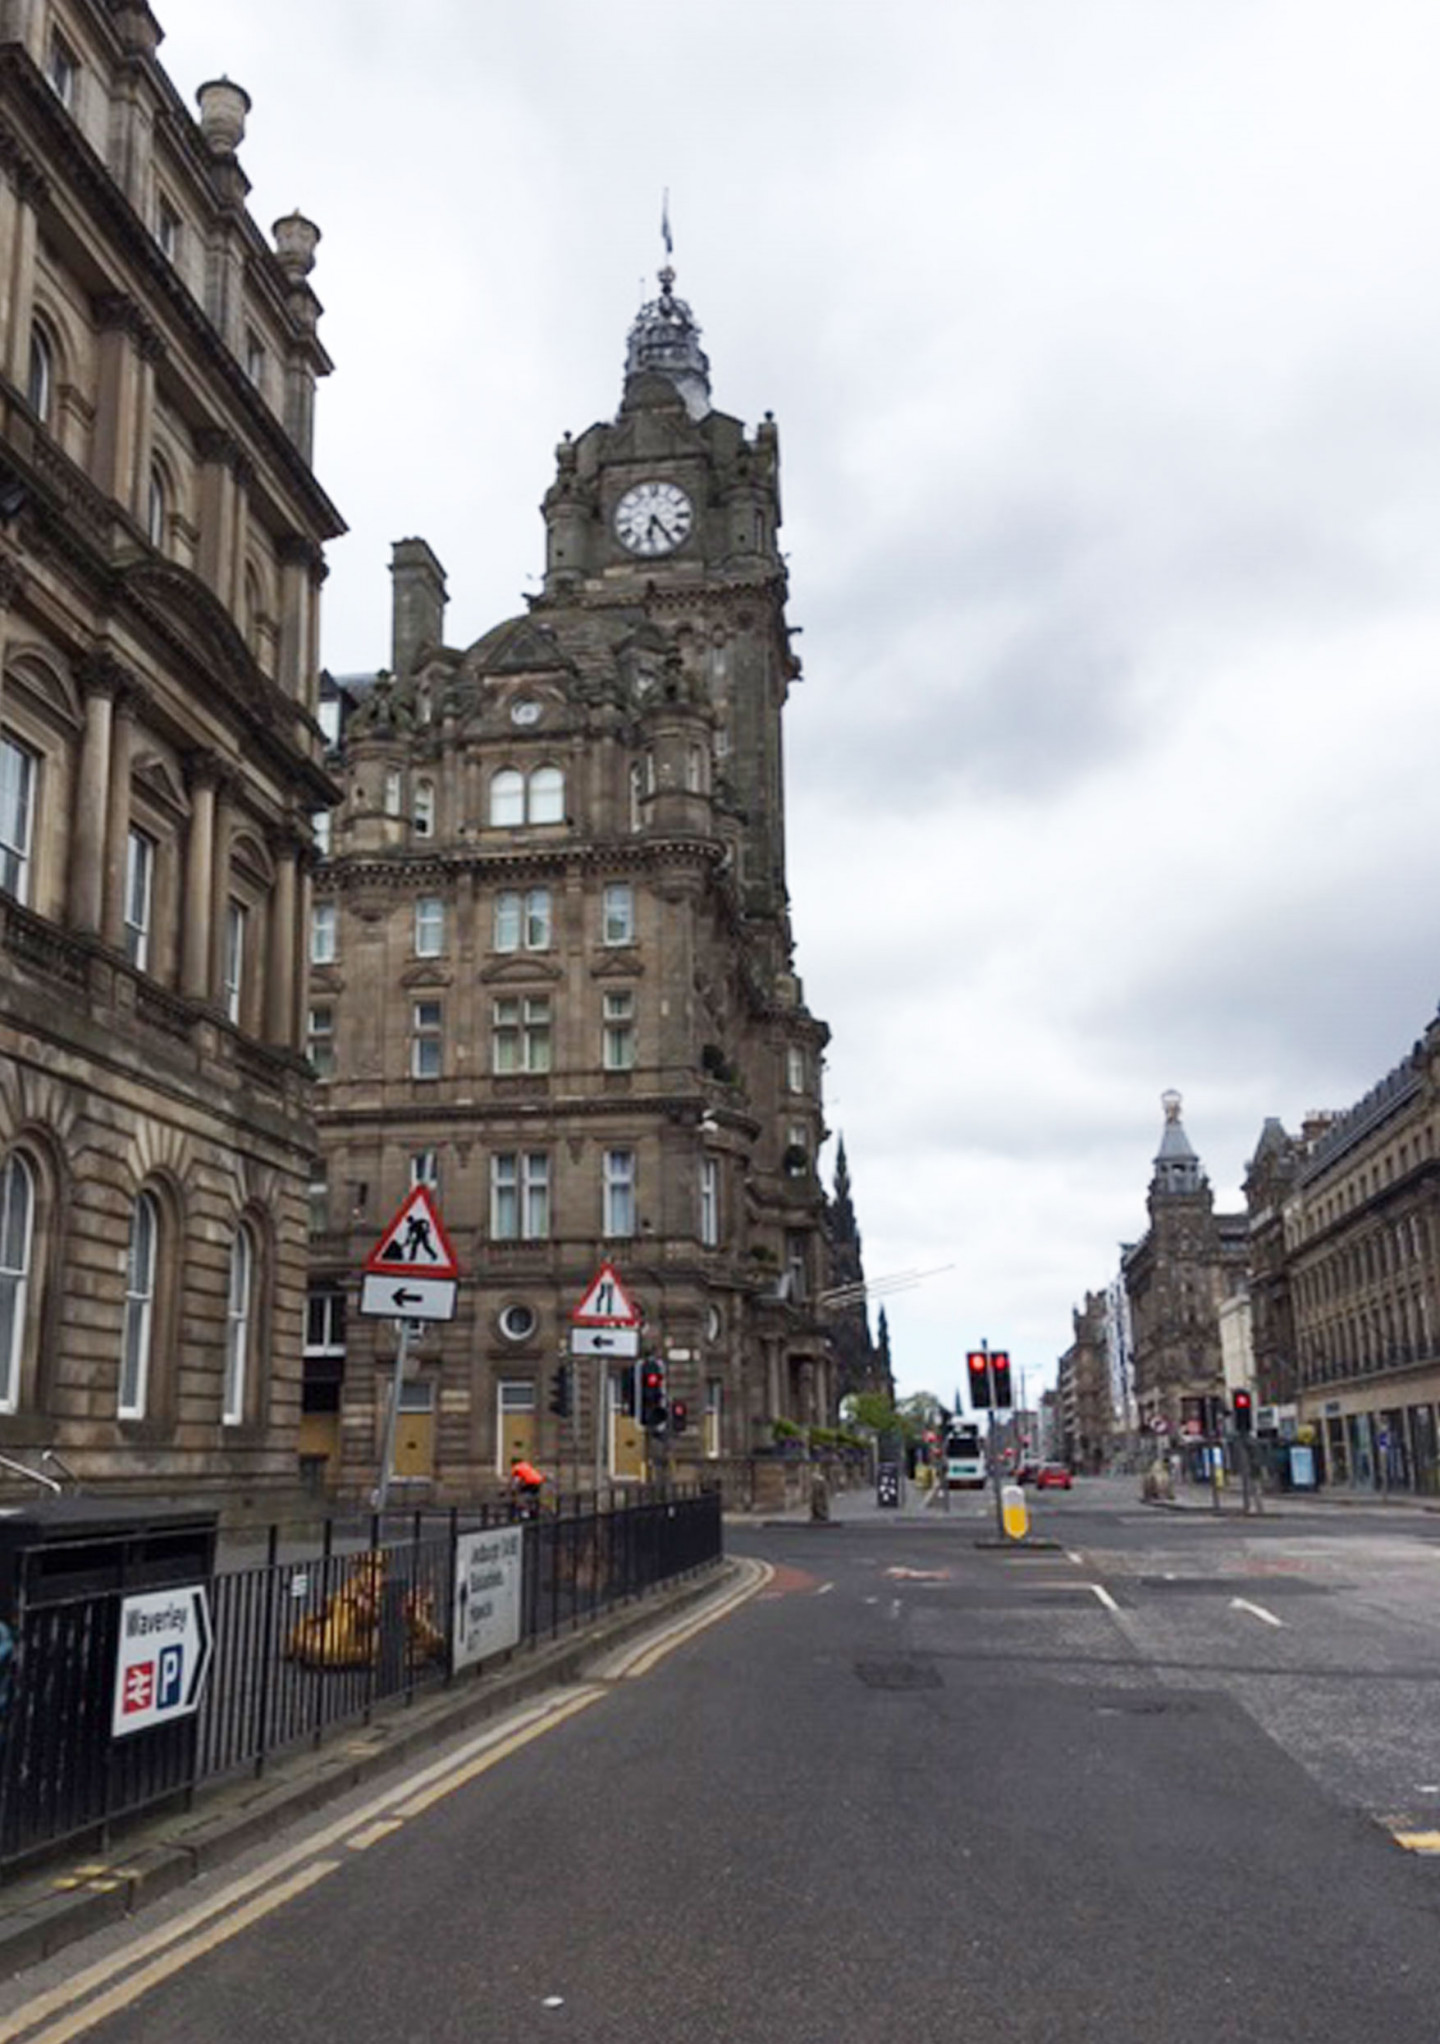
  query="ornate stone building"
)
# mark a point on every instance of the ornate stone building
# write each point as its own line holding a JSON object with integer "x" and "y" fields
{"x": 1189, "y": 1260}
{"x": 552, "y": 970}
{"x": 160, "y": 565}
{"x": 1361, "y": 1249}
{"x": 1086, "y": 1414}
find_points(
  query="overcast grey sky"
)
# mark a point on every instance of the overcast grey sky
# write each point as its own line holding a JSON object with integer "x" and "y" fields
{"x": 1104, "y": 342}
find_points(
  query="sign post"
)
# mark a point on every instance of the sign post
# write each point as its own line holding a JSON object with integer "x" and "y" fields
{"x": 410, "y": 1274}
{"x": 605, "y": 1324}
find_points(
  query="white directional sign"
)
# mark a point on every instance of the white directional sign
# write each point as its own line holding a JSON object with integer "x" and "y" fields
{"x": 408, "y": 1298}
{"x": 163, "y": 1658}
{"x": 411, "y": 1272}
{"x": 621, "y": 1342}
{"x": 487, "y": 1594}
{"x": 607, "y": 1303}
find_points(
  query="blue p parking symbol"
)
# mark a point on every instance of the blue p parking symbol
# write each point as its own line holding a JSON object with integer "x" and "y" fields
{"x": 171, "y": 1676}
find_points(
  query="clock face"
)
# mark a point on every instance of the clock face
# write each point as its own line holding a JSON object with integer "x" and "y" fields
{"x": 525, "y": 712}
{"x": 653, "y": 518}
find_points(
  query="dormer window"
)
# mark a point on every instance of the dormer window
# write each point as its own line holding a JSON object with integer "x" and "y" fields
{"x": 62, "y": 70}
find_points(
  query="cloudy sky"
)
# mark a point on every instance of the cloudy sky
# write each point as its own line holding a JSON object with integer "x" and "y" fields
{"x": 1104, "y": 342}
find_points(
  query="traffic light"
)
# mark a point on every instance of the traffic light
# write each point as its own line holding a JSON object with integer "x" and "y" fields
{"x": 560, "y": 1392}
{"x": 979, "y": 1380}
{"x": 679, "y": 1415}
{"x": 652, "y": 1396}
{"x": 1000, "y": 1375}
{"x": 1242, "y": 1410}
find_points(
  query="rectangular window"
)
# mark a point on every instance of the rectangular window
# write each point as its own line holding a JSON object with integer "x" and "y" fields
{"x": 426, "y": 1040}
{"x": 319, "y": 1204}
{"x": 394, "y": 791}
{"x": 167, "y": 229}
{"x": 618, "y": 1047}
{"x": 237, "y": 918}
{"x": 19, "y": 773}
{"x": 618, "y": 1211}
{"x": 714, "y": 1397}
{"x": 321, "y": 831}
{"x": 519, "y": 1196}
{"x": 537, "y": 919}
{"x": 710, "y": 1202}
{"x": 237, "y": 1330}
{"x": 507, "y": 922}
{"x": 62, "y": 69}
{"x": 520, "y": 1040}
{"x": 324, "y": 930}
{"x": 429, "y": 926}
{"x": 425, "y": 1169}
{"x": 797, "y": 1266}
{"x": 139, "y": 891}
{"x": 320, "y": 1040}
{"x": 325, "y": 1324}
{"x": 423, "y": 815}
{"x": 794, "y": 1069}
{"x": 619, "y": 913}
{"x": 254, "y": 358}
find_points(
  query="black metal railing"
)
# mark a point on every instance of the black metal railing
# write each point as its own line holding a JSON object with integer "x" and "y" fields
{"x": 312, "y": 1635}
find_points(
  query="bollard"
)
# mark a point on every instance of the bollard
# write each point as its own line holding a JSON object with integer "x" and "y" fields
{"x": 1014, "y": 1511}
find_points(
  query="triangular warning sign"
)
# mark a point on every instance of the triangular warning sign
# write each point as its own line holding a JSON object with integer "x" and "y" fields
{"x": 415, "y": 1243}
{"x": 607, "y": 1303}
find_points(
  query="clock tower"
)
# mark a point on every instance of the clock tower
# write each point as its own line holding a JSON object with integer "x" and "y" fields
{"x": 673, "y": 508}
{"x": 554, "y": 972}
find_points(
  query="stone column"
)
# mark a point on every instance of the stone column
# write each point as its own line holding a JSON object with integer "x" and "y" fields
{"x": 280, "y": 964}
{"x": 117, "y": 820}
{"x": 101, "y": 678}
{"x": 217, "y": 513}
{"x": 301, "y": 982}
{"x": 199, "y": 858}
{"x": 22, "y": 193}
{"x": 12, "y": 588}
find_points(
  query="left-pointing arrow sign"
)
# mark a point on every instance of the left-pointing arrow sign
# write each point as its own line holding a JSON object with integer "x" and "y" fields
{"x": 410, "y": 1299}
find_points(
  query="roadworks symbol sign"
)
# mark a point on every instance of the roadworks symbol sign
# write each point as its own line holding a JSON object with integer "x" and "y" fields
{"x": 415, "y": 1243}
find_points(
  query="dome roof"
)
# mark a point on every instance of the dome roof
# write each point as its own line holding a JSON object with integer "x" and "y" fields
{"x": 665, "y": 341}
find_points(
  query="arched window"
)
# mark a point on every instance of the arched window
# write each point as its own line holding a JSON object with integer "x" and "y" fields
{"x": 546, "y": 796}
{"x": 507, "y": 797}
{"x": 156, "y": 508}
{"x": 139, "y": 1333}
{"x": 40, "y": 378}
{"x": 17, "y": 1237}
{"x": 239, "y": 1317}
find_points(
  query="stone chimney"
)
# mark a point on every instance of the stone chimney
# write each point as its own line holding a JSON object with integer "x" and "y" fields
{"x": 417, "y": 603}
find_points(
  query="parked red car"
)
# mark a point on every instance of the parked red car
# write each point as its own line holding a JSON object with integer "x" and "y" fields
{"x": 1053, "y": 1476}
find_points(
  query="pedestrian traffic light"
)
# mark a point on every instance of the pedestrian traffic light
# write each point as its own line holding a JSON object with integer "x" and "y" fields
{"x": 679, "y": 1415}
{"x": 1241, "y": 1407}
{"x": 560, "y": 1392}
{"x": 1000, "y": 1377}
{"x": 652, "y": 1396}
{"x": 979, "y": 1379}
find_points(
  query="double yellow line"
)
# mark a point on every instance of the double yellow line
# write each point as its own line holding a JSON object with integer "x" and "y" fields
{"x": 114, "y": 1983}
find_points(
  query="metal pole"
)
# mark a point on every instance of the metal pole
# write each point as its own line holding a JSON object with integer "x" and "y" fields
{"x": 602, "y": 1393}
{"x": 392, "y": 1419}
{"x": 994, "y": 1433}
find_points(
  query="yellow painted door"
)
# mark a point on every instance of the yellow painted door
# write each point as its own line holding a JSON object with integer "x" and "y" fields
{"x": 415, "y": 1433}
{"x": 517, "y": 1439}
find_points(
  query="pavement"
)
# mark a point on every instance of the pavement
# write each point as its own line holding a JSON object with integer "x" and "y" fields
{"x": 78, "y": 1891}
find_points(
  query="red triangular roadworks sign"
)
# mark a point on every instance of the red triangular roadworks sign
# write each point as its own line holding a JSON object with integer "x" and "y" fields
{"x": 415, "y": 1243}
{"x": 606, "y": 1303}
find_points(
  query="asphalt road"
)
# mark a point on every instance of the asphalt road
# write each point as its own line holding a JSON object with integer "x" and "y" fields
{"x": 1141, "y": 1789}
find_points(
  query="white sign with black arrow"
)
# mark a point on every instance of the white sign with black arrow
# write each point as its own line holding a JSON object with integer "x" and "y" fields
{"x": 408, "y": 1298}
{"x": 411, "y": 1272}
{"x": 621, "y": 1342}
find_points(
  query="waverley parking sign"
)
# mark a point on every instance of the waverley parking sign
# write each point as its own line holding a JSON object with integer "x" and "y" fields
{"x": 162, "y": 1659}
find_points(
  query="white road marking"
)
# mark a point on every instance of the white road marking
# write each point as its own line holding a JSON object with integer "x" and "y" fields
{"x": 1104, "y": 1595}
{"x": 1255, "y": 1610}
{"x": 1078, "y": 1559}
{"x": 824, "y": 1589}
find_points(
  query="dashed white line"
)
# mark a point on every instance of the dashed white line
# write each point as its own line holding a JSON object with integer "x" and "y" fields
{"x": 1104, "y": 1595}
{"x": 824, "y": 1589}
{"x": 1078, "y": 1559}
{"x": 1256, "y": 1611}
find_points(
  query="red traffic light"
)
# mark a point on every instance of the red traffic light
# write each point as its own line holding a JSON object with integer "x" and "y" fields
{"x": 976, "y": 1360}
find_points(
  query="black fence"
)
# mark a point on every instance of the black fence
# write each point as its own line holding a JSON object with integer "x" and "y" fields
{"x": 303, "y": 1641}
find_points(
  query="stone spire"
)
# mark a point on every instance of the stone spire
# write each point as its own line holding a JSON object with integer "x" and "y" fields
{"x": 1177, "y": 1168}
{"x": 665, "y": 341}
